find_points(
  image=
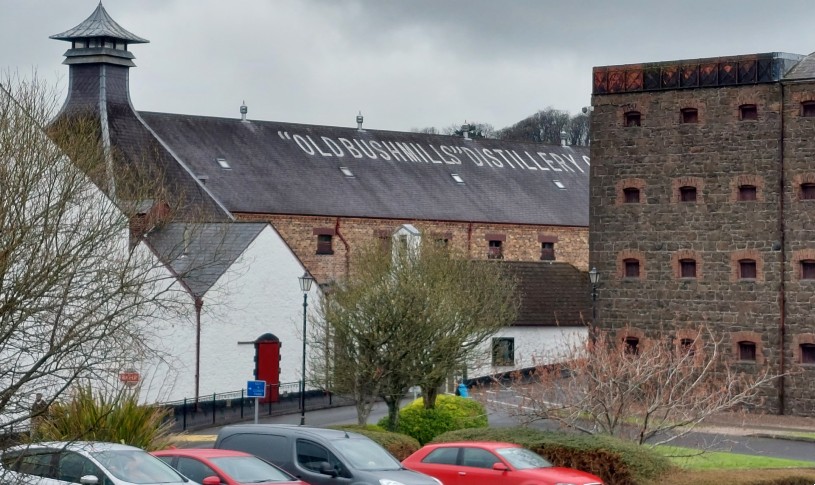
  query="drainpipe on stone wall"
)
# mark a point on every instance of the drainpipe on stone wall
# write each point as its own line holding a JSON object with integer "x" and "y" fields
{"x": 469, "y": 238}
{"x": 347, "y": 248}
{"x": 783, "y": 260}
{"x": 198, "y": 304}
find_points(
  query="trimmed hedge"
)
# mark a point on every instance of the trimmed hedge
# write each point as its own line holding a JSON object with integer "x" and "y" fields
{"x": 399, "y": 445}
{"x": 451, "y": 413}
{"x": 617, "y": 462}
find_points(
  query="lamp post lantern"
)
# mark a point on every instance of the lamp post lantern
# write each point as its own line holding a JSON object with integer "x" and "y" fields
{"x": 594, "y": 278}
{"x": 305, "y": 286}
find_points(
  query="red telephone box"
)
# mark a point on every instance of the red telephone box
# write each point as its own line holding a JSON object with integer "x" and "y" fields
{"x": 267, "y": 365}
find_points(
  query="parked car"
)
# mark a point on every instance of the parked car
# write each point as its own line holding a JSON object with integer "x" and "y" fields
{"x": 488, "y": 463}
{"x": 213, "y": 467}
{"x": 321, "y": 456}
{"x": 86, "y": 462}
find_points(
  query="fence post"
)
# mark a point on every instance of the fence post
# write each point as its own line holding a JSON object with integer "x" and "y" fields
{"x": 213, "y": 408}
{"x": 184, "y": 415}
{"x": 241, "y": 403}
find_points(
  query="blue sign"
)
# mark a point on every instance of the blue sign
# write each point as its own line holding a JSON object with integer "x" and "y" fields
{"x": 256, "y": 389}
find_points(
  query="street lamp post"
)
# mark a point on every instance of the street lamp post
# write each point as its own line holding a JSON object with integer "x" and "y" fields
{"x": 594, "y": 278}
{"x": 305, "y": 285}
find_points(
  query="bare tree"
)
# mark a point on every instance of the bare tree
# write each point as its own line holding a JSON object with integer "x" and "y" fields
{"x": 77, "y": 301}
{"x": 651, "y": 390}
{"x": 410, "y": 316}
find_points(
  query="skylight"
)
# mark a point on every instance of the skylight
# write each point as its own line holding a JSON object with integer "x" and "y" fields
{"x": 223, "y": 163}
{"x": 559, "y": 184}
{"x": 457, "y": 178}
{"x": 346, "y": 171}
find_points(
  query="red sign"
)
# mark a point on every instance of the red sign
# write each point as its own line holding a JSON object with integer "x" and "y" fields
{"x": 129, "y": 377}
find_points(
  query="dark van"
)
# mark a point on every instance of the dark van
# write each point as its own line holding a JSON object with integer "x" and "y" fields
{"x": 321, "y": 456}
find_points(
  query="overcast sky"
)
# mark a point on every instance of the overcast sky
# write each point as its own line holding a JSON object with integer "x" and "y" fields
{"x": 405, "y": 64}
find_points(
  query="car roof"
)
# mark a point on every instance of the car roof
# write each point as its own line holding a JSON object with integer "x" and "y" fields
{"x": 289, "y": 429}
{"x": 200, "y": 452}
{"x": 89, "y": 446}
{"x": 490, "y": 445}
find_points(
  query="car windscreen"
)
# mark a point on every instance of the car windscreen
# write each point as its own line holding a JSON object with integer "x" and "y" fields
{"x": 250, "y": 469}
{"x": 364, "y": 454}
{"x": 137, "y": 466}
{"x": 521, "y": 458}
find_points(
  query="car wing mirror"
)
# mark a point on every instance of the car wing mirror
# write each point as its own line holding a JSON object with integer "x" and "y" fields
{"x": 500, "y": 467}
{"x": 211, "y": 480}
{"x": 327, "y": 469}
{"x": 89, "y": 480}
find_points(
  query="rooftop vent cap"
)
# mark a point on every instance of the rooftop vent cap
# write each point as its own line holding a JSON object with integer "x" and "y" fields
{"x": 359, "y": 121}
{"x": 457, "y": 178}
{"x": 346, "y": 171}
{"x": 244, "y": 110}
{"x": 559, "y": 184}
{"x": 223, "y": 163}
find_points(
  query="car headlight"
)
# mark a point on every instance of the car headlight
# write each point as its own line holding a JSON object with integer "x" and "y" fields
{"x": 386, "y": 481}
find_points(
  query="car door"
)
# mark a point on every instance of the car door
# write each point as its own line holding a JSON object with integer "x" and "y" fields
{"x": 442, "y": 463}
{"x": 73, "y": 466}
{"x": 196, "y": 470}
{"x": 309, "y": 456}
{"x": 31, "y": 466}
{"x": 475, "y": 467}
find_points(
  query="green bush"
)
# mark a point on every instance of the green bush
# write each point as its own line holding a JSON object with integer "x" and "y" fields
{"x": 399, "y": 445}
{"x": 114, "y": 418}
{"x": 451, "y": 413}
{"x": 617, "y": 462}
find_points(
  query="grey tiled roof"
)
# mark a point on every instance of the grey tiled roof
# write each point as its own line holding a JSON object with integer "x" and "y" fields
{"x": 286, "y": 168}
{"x": 201, "y": 253}
{"x": 99, "y": 24}
{"x": 805, "y": 69}
{"x": 552, "y": 293}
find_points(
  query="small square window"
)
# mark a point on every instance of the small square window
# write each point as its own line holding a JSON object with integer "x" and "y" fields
{"x": 808, "y": 109}
{"x": 808, "y": 269}
{"x": 632, "y": 118}
{"x": 687, "y": 345}
{"x": 748, "y": 112}
{"x": 747, "y": 192}
{"x": 548, "y": 251}
{"x": 325, "y": 244}
{"x": 495, "y": 250}
{"x": 690, "y": 115}
{"x": 632, "y": 345}
{"x": 687, "y": 268}
{"x": 687, "y": 194}
{"x": 747, "y": 351}
{"x": 503, "y": 351}
{"x": 807, "y": 191}
{"x": 632, "y": 268}
{"x": 747, "y": 269}
{"x": 807, "y": 353}
{"x": 631, "y": 195}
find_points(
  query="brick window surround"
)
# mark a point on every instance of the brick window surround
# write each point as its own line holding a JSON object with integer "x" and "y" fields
{"x": 688, "y": 340}
{"x": 325, "y": 236}
{"x": 736, "y": 262}
{"x": 632, "y": 183}
{"x": 752, "y": 337}
{"x": 746, "y": 180}
{"x": 627, "y": 256}
{"x": 804, "y": 186}
{"x": 748, "y": 112}
{"x": 689, "y": 111}
{"x": 495, "y": 245}
{"x": 686, "y": 255}
{"x": 547, "y": 247}
{"x": 679, "y": 183}
{"x": 632, "y": 118}
{"x": 802, "y": 260}
{"x": 628, "y": 336}
{"x": 808, "y": 109}
{"x": 803, "y": 346}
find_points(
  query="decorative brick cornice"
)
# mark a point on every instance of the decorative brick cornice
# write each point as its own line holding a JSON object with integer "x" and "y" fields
{"x": 680, "y": 182}
{"x": 745, "y": 336}
{"x": 633, "y": 183}
{"x": 737, "y": 256}
{"x": 756, "y": 181}
{"x": 797, "y": 340}
{"x": 629, "y": 254}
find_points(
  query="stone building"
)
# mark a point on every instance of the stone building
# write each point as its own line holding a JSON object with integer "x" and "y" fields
{"x": 328, "y": 190}
{"x": 703, "y": 203}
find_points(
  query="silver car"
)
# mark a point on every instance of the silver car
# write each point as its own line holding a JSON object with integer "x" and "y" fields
{"x": 85, "y": 462}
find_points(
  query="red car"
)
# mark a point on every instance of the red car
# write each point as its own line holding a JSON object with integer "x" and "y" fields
{"x": 208, "y": 466}
{"x": 490, "y": 463}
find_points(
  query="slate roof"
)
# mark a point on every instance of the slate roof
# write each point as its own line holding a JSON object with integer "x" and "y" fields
{"x": 805, "y": 69}
{"x": 286, "y": 168}
{"x": 210, "y": 249}
{"x": 99, "y": 24}
{"x": 552, "y": 293}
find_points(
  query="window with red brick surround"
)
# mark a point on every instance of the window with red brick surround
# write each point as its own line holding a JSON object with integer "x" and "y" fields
{"x": 807, "y": 191}
{"x": 808, "y": 109}
{"x": 745, "y": 263}
{"x": 747, "y": 347}
{"x": 747, "y": 269}
{"x": 632, "y": 118}
{"x": 632, "y": 195}
{"x": 325, "y": 238}
{"x": 632, "y": 268}
{"x": 748, "y": 112}
{"x": 803, "y": 348}
{"x": 747, "y": 187}
{"x": 687, "y": 268}
{"x": 747, "y": 192}
{"x": 630, "y": 264}
{"x": 747, "y": 351}
{"x": 808, "y": 269}
{"x": 690, "y": 115}
{"x": 686, "y": 264}
{"x": 807, "y": 353}
{"x": 687, "y": 194}
{"x": 632, "y": 345}
{"x": 629, "y": 191}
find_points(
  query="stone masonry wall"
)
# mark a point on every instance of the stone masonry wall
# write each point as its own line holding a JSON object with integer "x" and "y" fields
{"x": 520, "y": 242}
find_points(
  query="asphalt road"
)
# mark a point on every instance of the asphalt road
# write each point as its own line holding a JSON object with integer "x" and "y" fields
{"x": 779, "y": 448}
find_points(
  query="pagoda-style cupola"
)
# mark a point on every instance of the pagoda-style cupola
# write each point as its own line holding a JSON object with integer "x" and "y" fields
{"x": 99, "y": 39}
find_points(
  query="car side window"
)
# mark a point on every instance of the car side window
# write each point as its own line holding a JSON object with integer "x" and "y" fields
{"x": 310, "y": 456}
{"x": 194, "y": 469}
{"x": 478, "y": 458}
{"x": 442, "y": 456}
{"x": 267, "y": 446}
{"x": 41, "y": 463}
{"x": 73, "y": 466}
